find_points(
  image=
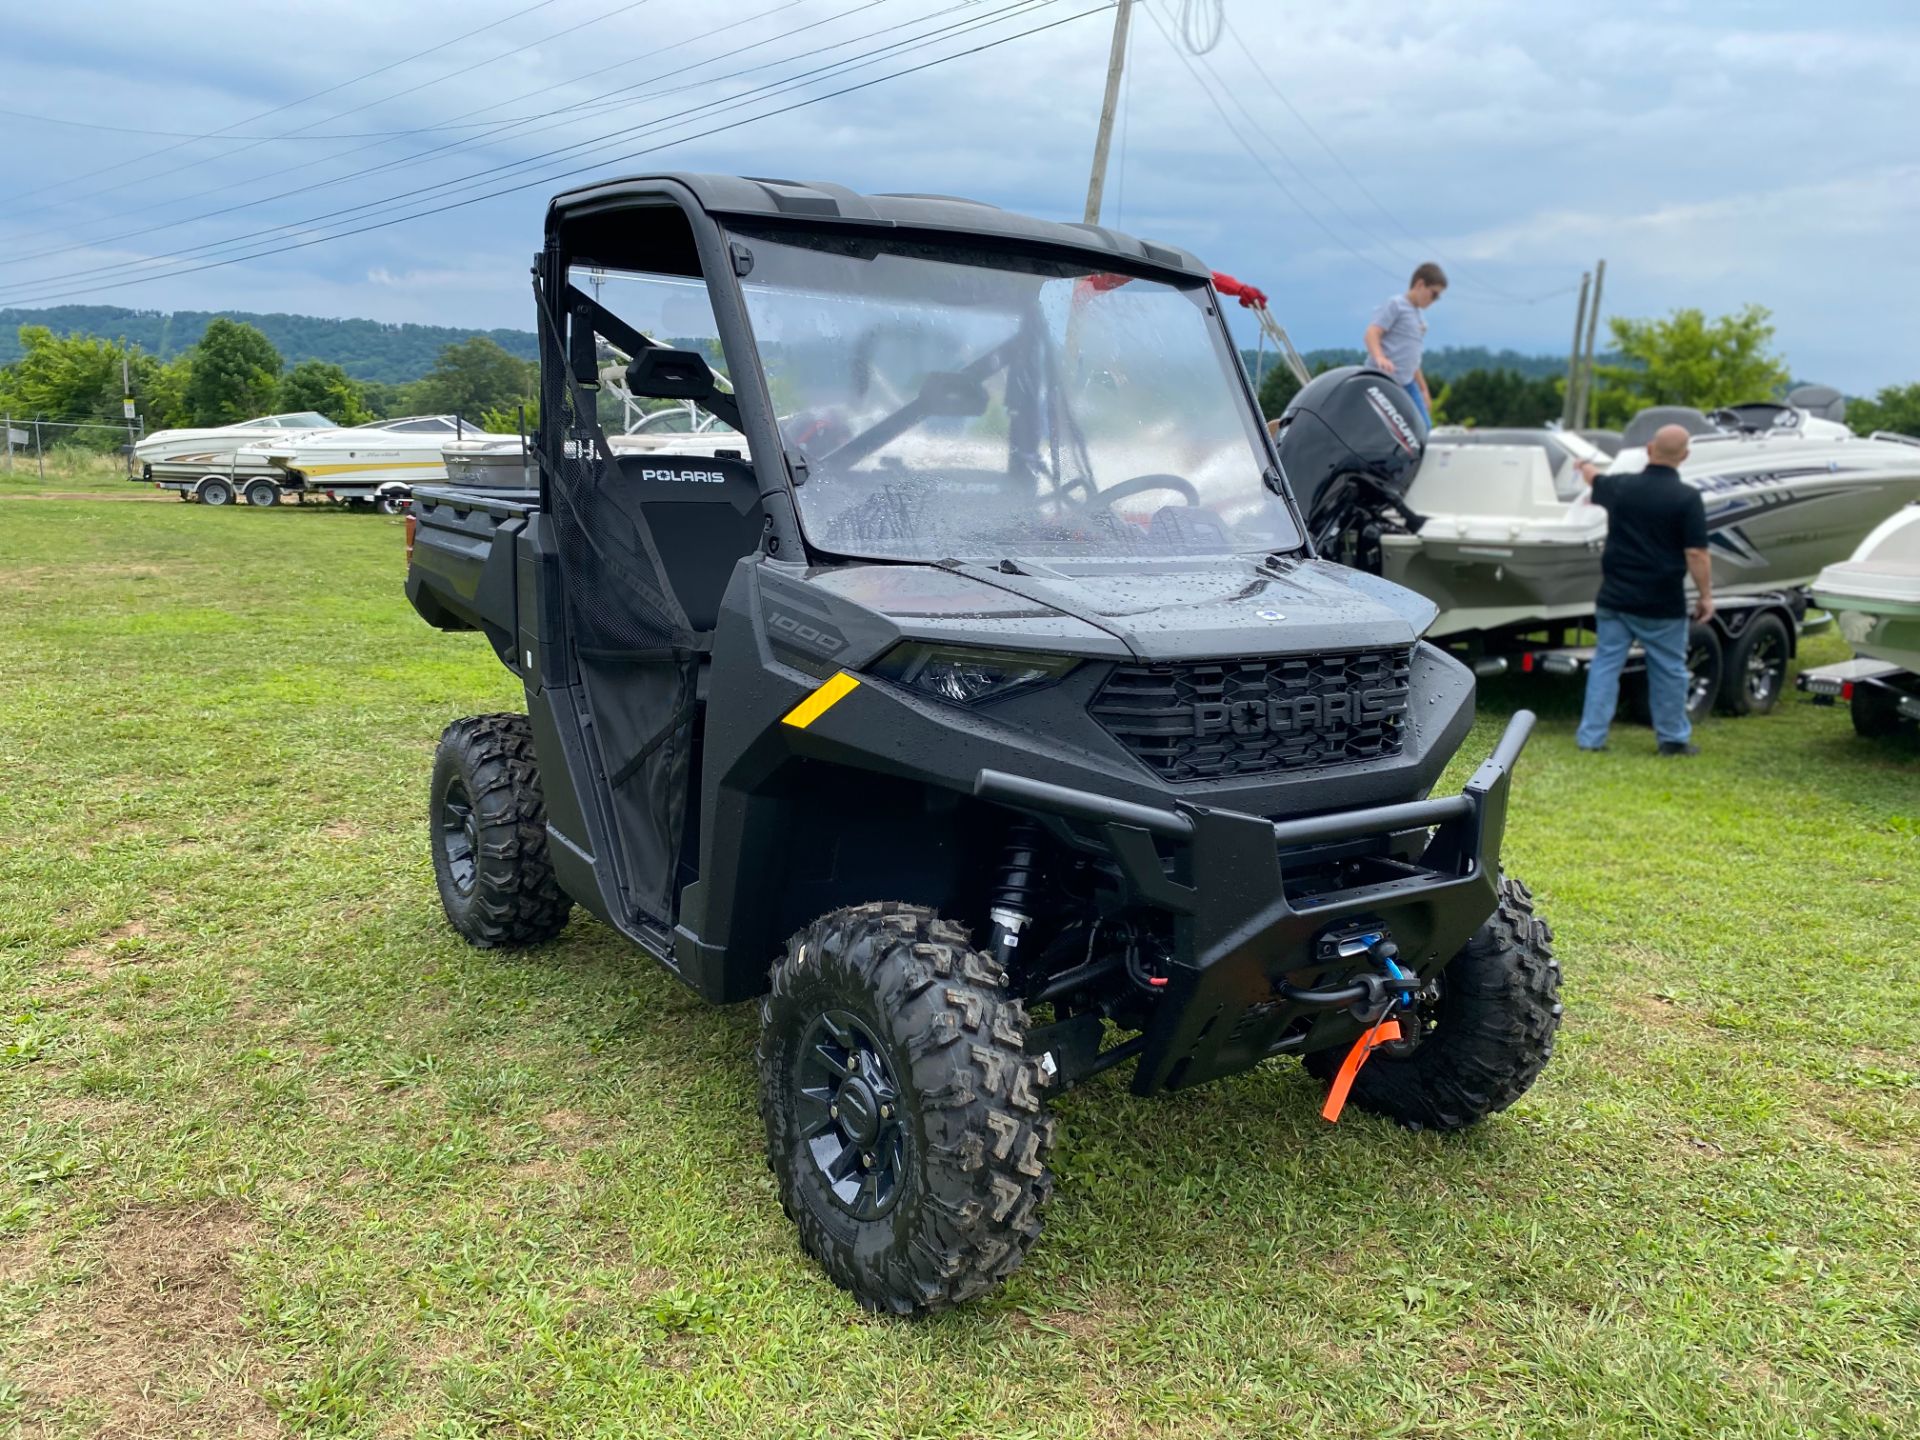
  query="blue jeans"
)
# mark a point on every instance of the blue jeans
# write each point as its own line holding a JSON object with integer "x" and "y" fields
{"x": 1419, "y": 401}
{"x": 1664, "y": 643}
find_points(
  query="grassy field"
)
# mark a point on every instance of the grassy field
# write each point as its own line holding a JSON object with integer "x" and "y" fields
{"x": 281, "y": 1154}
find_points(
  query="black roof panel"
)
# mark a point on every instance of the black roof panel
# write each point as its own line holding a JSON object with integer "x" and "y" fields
{"x": 820, "y": 200}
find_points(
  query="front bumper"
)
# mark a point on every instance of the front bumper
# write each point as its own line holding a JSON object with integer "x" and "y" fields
{"x": 1244, "y": 925}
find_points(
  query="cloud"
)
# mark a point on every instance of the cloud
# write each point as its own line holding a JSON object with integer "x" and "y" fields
{"x": 1715, "y": 156}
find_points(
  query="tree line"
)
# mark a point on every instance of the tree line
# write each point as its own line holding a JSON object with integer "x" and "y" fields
{"x": 1685, "y": 358}
{"x": 365, "y": 349}
{"x": 235, "y": 373}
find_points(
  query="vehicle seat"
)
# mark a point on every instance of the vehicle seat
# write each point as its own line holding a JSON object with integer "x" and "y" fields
{"x": 703, "y": 512}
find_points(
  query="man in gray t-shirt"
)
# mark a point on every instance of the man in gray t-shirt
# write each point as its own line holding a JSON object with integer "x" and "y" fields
{"x": 1398, "y": 333}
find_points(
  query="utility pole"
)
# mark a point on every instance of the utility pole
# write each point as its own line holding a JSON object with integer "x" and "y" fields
{"x": 1573, "y": 356}
{"x": 1116, "y": 61}
{"x": 126, "y": 401}
{"x": 1586, "y": 368}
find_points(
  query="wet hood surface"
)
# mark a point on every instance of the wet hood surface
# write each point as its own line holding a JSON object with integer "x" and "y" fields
{"x": 1185, "y": 610}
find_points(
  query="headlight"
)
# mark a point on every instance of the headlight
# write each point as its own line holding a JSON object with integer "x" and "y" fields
{"x": 962, "y": 675}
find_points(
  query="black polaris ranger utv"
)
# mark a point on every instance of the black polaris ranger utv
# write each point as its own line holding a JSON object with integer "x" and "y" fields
{"x": 969, "y": 696}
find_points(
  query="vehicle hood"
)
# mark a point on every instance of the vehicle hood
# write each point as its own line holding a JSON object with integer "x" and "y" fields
{"x": 1176, "y": 610}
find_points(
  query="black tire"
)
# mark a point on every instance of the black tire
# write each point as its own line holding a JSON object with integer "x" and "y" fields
{"x": 263, "y": 494}
{"x": 1705, "y": 666}
{"x": 1706, "y": 663}
{"x": 1484, "y": 1042}
{"x": 213, "y": 491}
{"x": 387, "y": 504}
{"x": 1876, "y": 714}
{"x": 1757, "y": 667}
{"x": 957, "y": 1170}
{"x": 490, "y": 835}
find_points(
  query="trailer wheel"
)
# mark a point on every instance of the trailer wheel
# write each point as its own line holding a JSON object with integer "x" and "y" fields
{"x": 1705, "y": 666}
{"x": 263, "y": 494}
{"x": 387, "y": 504}
{"x": 906, "y": 1124}
{"x": 1756, "y": 667}
{"x": 489, "y": 821}
{"x": 1483, "y": 1043}
{"x": 1875, "y": 712}
{"x": 213, "y": 491}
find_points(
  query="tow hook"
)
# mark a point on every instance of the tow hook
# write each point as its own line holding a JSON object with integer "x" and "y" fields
{"x": 1372, "y": 994}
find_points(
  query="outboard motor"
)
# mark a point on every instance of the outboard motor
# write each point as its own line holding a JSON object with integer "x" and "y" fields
{"x": 1350, "y": 443}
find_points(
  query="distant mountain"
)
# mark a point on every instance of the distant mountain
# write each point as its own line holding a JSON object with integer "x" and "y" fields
{"x": 1443, "y": 364}
{"x": 371, "y": 350}
{"x": 365, "y": 349}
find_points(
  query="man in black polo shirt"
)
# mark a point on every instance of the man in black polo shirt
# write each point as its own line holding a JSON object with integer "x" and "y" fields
{"x": 1656, "y": 538}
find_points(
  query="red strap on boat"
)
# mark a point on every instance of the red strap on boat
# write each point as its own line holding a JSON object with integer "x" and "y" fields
{"x": 1384, "y": 1033}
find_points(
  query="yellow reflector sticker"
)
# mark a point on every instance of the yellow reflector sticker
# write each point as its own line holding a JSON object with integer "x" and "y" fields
{"x": 820, "y": 701}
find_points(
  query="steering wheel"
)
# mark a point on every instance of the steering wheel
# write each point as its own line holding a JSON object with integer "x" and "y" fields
{"x": 1139, "y": 485}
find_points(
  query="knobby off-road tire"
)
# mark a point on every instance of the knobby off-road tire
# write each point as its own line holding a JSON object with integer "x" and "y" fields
{"x": 490, "y": 835}
{"x": 951, "y": 1199}
{"x": 1486, "y": 1040}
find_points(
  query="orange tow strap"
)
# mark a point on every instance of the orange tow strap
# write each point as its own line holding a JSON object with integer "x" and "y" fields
{"x": 1383, "y": 1033}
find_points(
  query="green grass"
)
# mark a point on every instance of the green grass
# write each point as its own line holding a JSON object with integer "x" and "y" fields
{"x": 281, "y": 1153}
{"x": 70, "y": 470}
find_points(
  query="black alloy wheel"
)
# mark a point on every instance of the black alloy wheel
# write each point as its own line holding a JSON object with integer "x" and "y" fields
{"x": 849, "y": 1108}
{"x": 1704, "y": 668}
{"x": 1757, "y": 667}
{"x": 459, "y": 836}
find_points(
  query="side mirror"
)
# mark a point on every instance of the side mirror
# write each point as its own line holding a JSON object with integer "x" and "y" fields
{"x": 662, "y": 374}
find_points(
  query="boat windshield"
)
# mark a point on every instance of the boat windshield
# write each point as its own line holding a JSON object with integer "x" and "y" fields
{"x": 304, "y": 420}
{"x": 940, "y": 403}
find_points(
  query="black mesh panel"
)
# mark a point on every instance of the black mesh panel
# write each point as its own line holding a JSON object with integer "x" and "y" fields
{"x": 1218, "y": 719}
{"x": 612, "y": 569}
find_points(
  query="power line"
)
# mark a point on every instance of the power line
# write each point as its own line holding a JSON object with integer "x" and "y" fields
{"x": 151, "y": 134}
{"x": 354, "y": 110}
{"x": 498, "y": 127}
{"x": 415, "y": 194}
{"x": 1200, "y": 22}
{"x": 288, "y": 105}
{"x": 1307, "y": 179}
{"x": 1253, "y": 154}
{"x": 980, "y": 48}
{"x": 1306, "y": 124}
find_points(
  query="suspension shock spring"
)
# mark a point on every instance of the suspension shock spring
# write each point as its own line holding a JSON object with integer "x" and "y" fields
{"x": 1011, "y": 904}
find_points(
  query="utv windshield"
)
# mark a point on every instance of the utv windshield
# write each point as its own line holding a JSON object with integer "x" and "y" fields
{"x": 941, "y": 403}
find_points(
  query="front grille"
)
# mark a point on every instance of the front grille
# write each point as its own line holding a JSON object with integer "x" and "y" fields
{"x": 1218, "y": 719}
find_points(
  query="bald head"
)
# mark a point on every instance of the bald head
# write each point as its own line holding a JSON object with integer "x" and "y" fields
{"x": 1669, "y": 445}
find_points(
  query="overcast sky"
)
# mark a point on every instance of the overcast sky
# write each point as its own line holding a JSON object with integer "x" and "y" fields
{"x": 1714, "y": 154}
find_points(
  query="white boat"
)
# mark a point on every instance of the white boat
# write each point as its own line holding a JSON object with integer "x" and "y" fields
{"x": 378, "y": 461}
{"x": 1875, "y": 595}
{"x": 184, "y": 459}
{"x": 1506, "y": 534}
{"x": 1497, "y": 530}
{"x": 501, "y": 462}
{"x": 489, "y": 462}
